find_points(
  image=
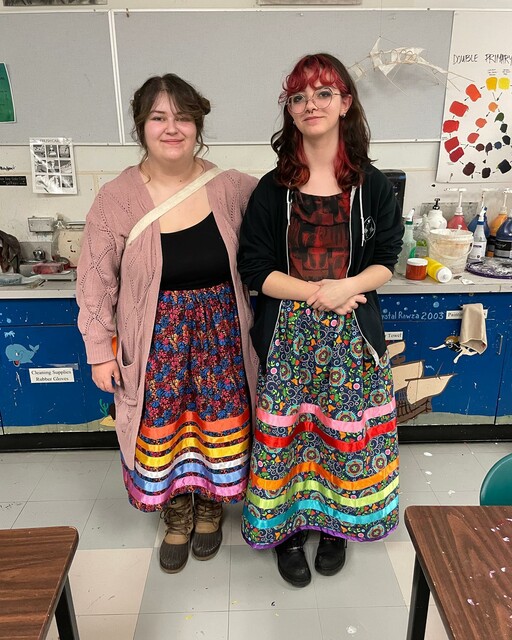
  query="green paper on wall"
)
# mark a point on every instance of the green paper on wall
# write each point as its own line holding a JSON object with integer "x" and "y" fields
{"x": 6, "y": 101}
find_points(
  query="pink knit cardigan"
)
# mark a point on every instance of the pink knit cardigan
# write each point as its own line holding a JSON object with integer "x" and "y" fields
{"x": 118, "y": 287}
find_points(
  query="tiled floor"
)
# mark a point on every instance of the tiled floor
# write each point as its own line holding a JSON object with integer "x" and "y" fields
{"x": 121, "y": 594}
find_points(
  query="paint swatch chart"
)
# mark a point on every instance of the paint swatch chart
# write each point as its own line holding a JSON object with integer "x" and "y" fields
{"x": 477, "y": 119}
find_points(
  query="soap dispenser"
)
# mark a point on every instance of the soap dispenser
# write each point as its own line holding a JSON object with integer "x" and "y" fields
{"x": 457, "y": 220}
{"x": 473, "y": 224}
{"x": 408, "y": 244}
{"x": 435, "y": 216}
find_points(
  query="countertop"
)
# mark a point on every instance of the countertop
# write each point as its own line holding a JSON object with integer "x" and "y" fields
{"x": 464, "y": 283}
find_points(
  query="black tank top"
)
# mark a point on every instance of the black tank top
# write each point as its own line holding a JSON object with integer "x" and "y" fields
{"x": 194, "y": 258}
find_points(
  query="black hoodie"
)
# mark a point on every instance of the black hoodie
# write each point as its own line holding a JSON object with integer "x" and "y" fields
{"x": 375, "y": 238}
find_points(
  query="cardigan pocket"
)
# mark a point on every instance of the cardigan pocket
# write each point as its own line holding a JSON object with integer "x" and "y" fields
{"x": 129, "y": 378}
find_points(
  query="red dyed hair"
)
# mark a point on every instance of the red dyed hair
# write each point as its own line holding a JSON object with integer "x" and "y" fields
{"x": 354, "y": 132}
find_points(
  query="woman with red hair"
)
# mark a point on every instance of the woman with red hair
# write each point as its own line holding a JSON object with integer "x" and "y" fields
{"x": 321, "y": 233}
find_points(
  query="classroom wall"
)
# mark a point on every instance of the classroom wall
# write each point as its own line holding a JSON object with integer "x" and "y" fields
{"x": 98, "y": 164}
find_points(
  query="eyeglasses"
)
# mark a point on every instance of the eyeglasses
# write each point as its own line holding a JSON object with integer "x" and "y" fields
{"x": 321, "y": 98}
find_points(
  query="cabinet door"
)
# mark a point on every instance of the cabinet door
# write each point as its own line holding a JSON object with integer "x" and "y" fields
{"x": 34, "y": 391}
{"x": 45, "y": 380}
{"x": 504, "y": 346}
{"x": 434, "y": 382}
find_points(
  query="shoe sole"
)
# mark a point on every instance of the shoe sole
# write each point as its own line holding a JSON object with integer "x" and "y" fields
{"x": 201, "y": 558}
{"x": 330, "y": 572}
{"x": 294, "y": 583}
{"x": 173, "y": 570}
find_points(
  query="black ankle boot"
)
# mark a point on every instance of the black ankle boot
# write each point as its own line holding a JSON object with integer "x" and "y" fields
{"x": 330, "y": 556}
{"x": 291, "y": 560}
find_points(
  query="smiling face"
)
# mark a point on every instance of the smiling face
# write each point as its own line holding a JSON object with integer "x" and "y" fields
{"x": 317, "y": 120}
{"x": 169, "y": 135}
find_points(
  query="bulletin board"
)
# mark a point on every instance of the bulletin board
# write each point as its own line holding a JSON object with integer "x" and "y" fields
{"x": 73, "y": 73}
{"x": 238, "y": 59}
{"x": 60, "y": 67}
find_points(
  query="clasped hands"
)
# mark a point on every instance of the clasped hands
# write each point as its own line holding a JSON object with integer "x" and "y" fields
{"x": 335, "y": 295}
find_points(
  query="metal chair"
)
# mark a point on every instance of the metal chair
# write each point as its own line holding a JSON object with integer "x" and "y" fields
{"x": 496, "y": 487}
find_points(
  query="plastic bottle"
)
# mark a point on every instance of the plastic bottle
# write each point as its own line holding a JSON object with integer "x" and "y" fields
{"x": 457, "y": 220}
{"x": 420, "y": 234}
{"x": 496, "y": 224}
{"x": 435, "y": 216}
{"x": 503, "y": 246}
{"x": 474, "y": 223}
{"x": 408, "y": 245}
{"x": 438, "y": 271}
{"x": 479, "y": 240}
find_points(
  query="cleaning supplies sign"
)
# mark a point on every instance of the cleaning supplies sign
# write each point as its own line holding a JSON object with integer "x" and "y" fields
{"x": 54, "y": 374}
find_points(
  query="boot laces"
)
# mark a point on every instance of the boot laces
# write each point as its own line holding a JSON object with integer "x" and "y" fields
{"x": 178, "y": 517}
{"x": 207, "y": 511}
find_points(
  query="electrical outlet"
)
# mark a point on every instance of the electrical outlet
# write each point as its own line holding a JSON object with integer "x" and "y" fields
{"x": 40, "y": 224}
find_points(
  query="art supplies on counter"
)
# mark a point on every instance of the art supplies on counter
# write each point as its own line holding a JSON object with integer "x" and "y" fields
{"x": 436, "y": 219}
{"x": 438, "y": 271}
{"x": 479, "y": 239}
{"x": 408, "y": 244}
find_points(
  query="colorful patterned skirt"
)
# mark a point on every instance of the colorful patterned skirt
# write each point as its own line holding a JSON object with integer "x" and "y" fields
{"x": 196, "y": 426}
{"x": 325, "y": 451}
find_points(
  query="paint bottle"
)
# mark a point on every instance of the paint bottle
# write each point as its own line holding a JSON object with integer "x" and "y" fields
{"x": 408, "y": 244}
{"x": 474, "y": 223}
{"x": 435, "y": 216}
{"x": 503, "y": 246}
{"x": 420, "y": 234}
{"x": 479, "y": 240}
{"x": 496, "y": 224}
{"x": 438, "y": 271}
{"x": 457, "y": 220}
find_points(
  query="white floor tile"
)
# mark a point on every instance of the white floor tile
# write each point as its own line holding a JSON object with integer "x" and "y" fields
{"x": 9, "y": 511}
{"x": 458, "y": 497}
{"x": 71, "y": 479}
{"x": 364, "y": 623}
{"x": 18, "y": 480}
{"x": 199, "y": 586}
{"x": 26, "y": 456}
{"x": 401, "y": 556}
{"x": 109, "y": 581}
{"x": 183, "y": 626}
{"x": 256, "y": 583}
{"x": 72, "y": 513}
{"x": 367, "y": 576}
{"x": 407, "y": 499}
{"x": 111, "y": 627}
{"x": 453, "y": 471}
{"x": 113, "y": 485}
{"x": 115, "y": 524}
{"x": 120, "y": 592}
{"x": 275, "y": 625}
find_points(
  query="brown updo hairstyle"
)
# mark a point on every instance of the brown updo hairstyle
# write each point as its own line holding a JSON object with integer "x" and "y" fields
{"x": 187, "y": 100}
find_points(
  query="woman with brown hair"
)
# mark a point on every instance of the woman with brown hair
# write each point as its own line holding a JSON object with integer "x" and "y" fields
{"x": 158, "y": 270}
{"x": 322, "y": 232}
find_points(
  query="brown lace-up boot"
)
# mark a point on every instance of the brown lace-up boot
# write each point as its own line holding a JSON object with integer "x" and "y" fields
{"x": 207, "y": 529}
{"x": 178, "y": 517}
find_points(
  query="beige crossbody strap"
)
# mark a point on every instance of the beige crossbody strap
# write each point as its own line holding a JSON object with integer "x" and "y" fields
{"x": 171, "y": 202}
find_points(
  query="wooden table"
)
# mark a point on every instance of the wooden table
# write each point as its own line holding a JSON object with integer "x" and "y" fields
{"x": 464, "y": 557}
{"x": 34, "y": 584}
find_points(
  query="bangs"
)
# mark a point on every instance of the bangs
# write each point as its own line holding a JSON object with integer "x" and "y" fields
{"x": 311, "y": 71}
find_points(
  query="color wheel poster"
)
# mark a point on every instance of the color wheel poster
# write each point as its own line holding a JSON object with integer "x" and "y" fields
{"x": 477, "y": 120}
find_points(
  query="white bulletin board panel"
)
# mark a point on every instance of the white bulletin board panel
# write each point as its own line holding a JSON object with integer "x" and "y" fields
{"x": 238, "y": 60}
{"x": 73, "y": 72}
{"x": 60, "y": 67}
